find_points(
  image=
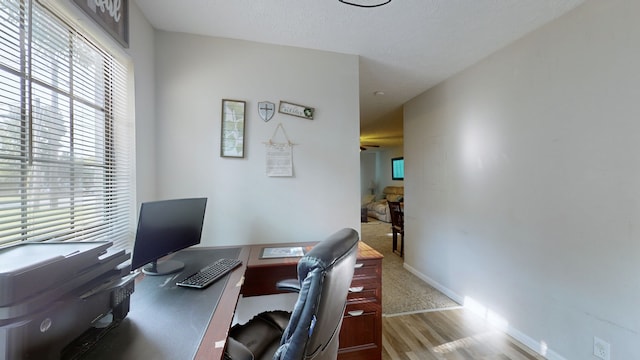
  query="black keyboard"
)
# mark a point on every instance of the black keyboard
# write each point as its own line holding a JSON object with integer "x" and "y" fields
{"x": 205, "y": 276}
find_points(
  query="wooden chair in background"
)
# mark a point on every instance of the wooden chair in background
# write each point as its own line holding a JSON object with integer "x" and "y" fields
{"x": 397, "y": 225}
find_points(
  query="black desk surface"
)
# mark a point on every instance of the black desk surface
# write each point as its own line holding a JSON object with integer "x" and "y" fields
{"x": 166, "y": 321}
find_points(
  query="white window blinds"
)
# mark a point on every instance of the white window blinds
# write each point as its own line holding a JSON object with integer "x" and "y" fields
{"x": 66, "y": 146}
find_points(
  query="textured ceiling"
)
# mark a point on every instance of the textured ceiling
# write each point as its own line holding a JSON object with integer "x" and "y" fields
{"x": 405, "y": 47}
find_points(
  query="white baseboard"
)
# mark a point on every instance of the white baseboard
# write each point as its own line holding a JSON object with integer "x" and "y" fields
{"x": 453, "y": 296}
{"x": 526, "y": 340}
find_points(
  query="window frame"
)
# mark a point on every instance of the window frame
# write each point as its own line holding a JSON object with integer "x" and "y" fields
{"x": 394, "y": 161}
{"x": 100, "y": 210}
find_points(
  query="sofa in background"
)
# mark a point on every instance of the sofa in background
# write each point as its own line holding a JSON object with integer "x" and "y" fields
{"x": 380, "y": 209}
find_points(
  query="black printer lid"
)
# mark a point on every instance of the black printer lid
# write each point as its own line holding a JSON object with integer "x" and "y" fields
{"x": 25, "y": 256}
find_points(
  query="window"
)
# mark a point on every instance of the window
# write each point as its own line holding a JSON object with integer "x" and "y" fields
{"x": 397, "y": 168}
{"x": 65, "y": 137}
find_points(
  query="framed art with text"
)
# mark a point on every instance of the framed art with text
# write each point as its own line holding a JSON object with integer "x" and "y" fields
{"x": 296, "y": 110}
{"x": 111, "y": 15}
{"x": 232, "y": 133}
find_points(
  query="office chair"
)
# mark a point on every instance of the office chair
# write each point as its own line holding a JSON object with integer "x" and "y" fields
{"x": 311, "y": 331}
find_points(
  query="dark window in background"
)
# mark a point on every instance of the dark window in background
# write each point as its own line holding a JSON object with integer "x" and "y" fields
{"x": 397, "y": 168}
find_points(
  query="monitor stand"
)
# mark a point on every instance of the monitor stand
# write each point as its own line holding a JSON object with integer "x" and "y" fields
{"x": 163, "y": 268}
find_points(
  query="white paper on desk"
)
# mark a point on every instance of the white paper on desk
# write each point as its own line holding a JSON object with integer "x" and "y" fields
{"x": 281, "y": 252}
{"x": 279, "y": 159}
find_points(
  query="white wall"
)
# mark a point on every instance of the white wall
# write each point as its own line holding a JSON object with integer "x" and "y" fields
{"x": 523, "y": 183}
{"x": 141, "y": 50}
{"x": 193, "y": 75}
{"x": 179, "y": 81}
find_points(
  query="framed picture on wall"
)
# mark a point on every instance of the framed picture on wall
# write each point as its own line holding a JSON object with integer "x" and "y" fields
{"x": 232, "y": 132}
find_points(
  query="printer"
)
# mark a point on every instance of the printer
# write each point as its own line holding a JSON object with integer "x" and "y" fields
{"x": 57, "y": 298}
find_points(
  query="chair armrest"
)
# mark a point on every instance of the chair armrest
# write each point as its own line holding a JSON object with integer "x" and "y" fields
{"x": 292, "y": 285}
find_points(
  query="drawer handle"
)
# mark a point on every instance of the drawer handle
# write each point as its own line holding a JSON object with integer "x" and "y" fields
{"x": 358, "y": 266}
{"x": 355, "y": 312}
{"x": 356, "y": 289}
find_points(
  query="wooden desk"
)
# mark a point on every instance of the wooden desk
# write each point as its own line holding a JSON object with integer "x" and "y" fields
{"x": 215, "y": 337}
{"x": 169, "y": 322}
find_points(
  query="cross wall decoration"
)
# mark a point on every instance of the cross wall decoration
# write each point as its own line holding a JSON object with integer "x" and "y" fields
{"x": 266, "y": 110}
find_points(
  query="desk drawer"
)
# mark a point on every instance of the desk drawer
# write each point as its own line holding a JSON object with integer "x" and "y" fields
{"x": 361, "y": 327}
{"x": 367, "y": 269}
{"x": 365, "y": 291}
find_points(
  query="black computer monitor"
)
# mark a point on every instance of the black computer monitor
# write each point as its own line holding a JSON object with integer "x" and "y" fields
{"x": 165, "y": 227}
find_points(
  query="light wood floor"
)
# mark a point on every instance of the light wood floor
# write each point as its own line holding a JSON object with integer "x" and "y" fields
{"x": 448, "y": 334}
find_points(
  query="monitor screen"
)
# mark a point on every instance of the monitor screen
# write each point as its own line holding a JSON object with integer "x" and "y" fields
{"x": 165, "y": 227}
